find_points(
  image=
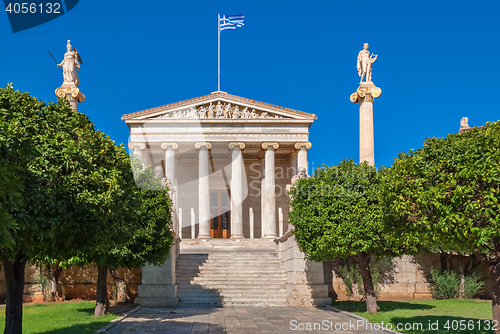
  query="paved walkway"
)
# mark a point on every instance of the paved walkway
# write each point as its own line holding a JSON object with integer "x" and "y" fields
{"x": 235, "y": 320}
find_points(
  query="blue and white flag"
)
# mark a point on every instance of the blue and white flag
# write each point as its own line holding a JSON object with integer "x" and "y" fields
{"x": 231, "y": 22}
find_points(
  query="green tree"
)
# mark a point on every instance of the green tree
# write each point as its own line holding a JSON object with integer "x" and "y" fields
{"x": 151, "y": 238}
{"x": 446, "y": 195}
{"x": 70, "y": 174}
{"x": 336, "y": 214}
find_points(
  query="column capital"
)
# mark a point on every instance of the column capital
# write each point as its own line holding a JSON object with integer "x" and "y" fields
{"x": 274, "y": 146}
{"x": 304, "y": 145}
{"x": 200, "y": 144}
{"x": 141, "y": 146}
{"x": 167, "y": 145}
{"x": 233, "y": 144}
{"x": 366, "y": 92}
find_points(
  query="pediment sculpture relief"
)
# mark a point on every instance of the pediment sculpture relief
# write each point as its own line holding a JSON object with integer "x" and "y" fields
{"x": 219, "y": 110}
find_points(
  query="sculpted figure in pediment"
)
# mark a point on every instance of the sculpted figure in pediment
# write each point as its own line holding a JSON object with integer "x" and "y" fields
{"x": 219, "y": 110}
{"x": 227, "y": 111}
{"x": 245, "y": 113}
{"x": 202, "y": 112}
{"x": 210, "y": 111}
{"x": 236, "y": 112}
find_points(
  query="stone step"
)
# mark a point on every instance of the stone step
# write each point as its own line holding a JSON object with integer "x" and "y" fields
{"x": 226, "y": 271}
{"x": 242, "y": 300}
{"x": 224, "y": 286}
{"x": 235, "y": 293}
{"x": 242, "y": 258}
{"x": 239, "y": 278}
{"x": 229, "y": 287}
{"x": 257, "y": 304}
{"x": 229, "y": 267}
{"x": 222, "y": 277}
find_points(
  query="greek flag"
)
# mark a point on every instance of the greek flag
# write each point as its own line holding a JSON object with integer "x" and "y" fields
{"x": 231, "y": 22}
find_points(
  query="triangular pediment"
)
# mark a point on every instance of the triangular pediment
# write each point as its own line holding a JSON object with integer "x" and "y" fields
{"x": 219, "y": 106}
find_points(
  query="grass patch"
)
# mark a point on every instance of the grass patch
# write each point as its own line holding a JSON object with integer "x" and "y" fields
{"x": 474, "y": 314}
{"x": 74, "y": 318}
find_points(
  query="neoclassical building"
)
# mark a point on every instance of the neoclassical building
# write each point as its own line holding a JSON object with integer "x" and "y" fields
{"x": 229, "y": 160}
{"x": 227, "y": 156}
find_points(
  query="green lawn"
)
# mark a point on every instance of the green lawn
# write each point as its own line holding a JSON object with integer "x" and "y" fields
{"x": 74, "y": 318}
{"x": 473, "y": 314}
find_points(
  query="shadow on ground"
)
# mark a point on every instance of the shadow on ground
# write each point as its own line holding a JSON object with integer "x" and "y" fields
{"x": 355, "y": 306}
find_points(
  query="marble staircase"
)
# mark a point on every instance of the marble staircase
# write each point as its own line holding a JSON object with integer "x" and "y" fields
{"x": 230, "y": 273}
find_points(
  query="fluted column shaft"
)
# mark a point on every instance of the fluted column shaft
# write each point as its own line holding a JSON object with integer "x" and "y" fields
{"x": 270, "y": 230}
{"x": 366, "y": 140}
{"x": 170, "y": 160}
{"x": 237, "y": 190}
{"x": 263, "y": 201}
{"x": 365, "y": 95}
{"x": 204, "y": 190}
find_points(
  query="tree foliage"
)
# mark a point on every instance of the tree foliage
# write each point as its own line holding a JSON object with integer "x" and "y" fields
{"x": 78, "y": 197}
{"x": 336, "y": 214}
{"x": 446, "y": 195}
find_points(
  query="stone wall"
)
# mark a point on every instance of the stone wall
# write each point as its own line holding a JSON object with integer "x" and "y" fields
{"x": 305, "y": 279}
{"x": 77, "y": 282}
{"x": 407, "y": 279}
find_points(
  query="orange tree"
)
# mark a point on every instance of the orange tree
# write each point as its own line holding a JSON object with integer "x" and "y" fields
{"x": 336, "y": 213}
{"x": 70, "y": 174}
{"x": 446, "y": 195}
{"x": 151, "y": 237}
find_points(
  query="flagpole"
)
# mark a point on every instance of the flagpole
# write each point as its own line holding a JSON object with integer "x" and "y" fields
{"x": 218, "y": 54}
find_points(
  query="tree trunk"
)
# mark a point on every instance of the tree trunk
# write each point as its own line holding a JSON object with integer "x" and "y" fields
{"x": 364, "y": 267}
{"x": 102, "y": 302}
{"x": 14, "y": 278}
{"x": 54, "y": 272}
{"x": 495, "y": 288}
{"x": 494, "y": 269}
{"x": 445, "y": 261}
{"x": 461, "y": 274}
{"x": 122, "y": 294}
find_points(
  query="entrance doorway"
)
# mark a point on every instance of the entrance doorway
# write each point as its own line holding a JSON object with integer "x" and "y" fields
{"x": 220, "y": 226}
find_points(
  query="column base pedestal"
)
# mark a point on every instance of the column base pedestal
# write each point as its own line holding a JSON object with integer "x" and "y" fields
{"x": 208, "y": 236}
{"x": 238, "y": 236}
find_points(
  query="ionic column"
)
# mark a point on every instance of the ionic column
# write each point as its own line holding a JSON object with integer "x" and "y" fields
{"x": 302, "y": 155}
{"x": 139, "y": 150}
{"x": 237, "y": 190}
{"x": 270, "y": 208}
{"x": 204, "y": 189}
{"x": 170, "y": 160}
{"x": 72, "y": 94}
{"x": 364, "y": 96}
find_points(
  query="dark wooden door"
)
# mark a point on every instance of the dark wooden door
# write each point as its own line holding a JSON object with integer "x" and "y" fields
{"x": 219, "y": 213}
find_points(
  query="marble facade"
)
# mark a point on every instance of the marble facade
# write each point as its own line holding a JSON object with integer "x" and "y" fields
{"x": 242, "y": 150}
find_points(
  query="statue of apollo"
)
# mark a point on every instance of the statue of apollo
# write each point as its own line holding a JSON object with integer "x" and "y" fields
{"x": 365, "y": 62}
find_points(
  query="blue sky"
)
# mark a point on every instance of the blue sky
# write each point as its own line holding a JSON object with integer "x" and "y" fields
{"x": 438, "y": 62}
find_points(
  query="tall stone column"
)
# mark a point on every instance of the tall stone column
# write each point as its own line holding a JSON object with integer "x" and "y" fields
{"x": 263, "y": 200}
{"x": 365, "y": 95}
{"x": 170, "y": 160}
{"x": 302, "y": 155}
{"x": 204, "y": 189}
{"x": 270, "y": 208}
{"x": 237, "y": 190}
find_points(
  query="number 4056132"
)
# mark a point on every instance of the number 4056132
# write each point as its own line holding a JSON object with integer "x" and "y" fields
{"x": 33, "y": 8}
